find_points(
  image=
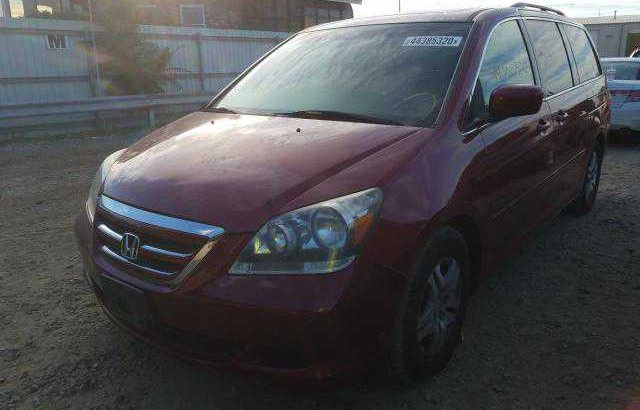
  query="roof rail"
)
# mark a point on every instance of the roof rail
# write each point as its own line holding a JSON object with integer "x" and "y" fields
{"x": 536, "y": 6}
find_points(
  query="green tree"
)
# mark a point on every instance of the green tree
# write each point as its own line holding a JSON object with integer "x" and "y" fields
{"x": 130, "y": 65}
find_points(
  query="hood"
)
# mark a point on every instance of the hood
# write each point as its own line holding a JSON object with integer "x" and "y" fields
{"x": 236, "y": 171}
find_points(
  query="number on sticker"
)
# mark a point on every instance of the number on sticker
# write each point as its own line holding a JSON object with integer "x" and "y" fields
{"x": 432, "y": 41}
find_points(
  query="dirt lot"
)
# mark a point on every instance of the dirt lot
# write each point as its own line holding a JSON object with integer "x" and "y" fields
{"x": 558, "y": 326}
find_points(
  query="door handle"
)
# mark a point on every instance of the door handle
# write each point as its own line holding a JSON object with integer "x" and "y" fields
{"x": 543, "y": 126}
{"x": 562, "y": 116}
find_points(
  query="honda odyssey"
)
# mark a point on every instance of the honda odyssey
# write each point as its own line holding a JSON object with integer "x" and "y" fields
{"x": 334, "y": 205}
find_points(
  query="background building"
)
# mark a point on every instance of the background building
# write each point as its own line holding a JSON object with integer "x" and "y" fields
{"x": 271, "y": 15}
{"x": 61, "y": 9}
{"x": 52, "y": 79}
{"x": 265, "y": 15}
{"x": 615, "y": 36}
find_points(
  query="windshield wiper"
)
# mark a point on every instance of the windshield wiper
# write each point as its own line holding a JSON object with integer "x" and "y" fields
{"x": 223, "y": 110}
{"x": 338, "y": 116}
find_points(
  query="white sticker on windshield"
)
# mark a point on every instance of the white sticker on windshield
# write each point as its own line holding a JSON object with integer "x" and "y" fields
{"x": 432, "y": 41}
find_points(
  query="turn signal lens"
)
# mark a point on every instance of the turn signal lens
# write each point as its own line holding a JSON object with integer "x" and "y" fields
{"x": 96, "y": 185}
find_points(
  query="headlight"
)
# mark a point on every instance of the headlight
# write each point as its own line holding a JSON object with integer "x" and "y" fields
{"x": 96, "y": 185}
{"x": 321, "y": 238}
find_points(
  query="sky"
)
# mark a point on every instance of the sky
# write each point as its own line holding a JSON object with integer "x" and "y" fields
{"x": 576, "y": 8}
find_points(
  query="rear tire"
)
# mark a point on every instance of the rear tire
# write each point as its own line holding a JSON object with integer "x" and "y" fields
{"x": 587, "y": 197}
{"x": 429, "y": 323}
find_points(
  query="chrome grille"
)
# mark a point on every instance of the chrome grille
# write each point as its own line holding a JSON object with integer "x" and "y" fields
{"x": 169, "y": 247}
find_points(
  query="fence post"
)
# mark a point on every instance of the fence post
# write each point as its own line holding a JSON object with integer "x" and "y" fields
{"x": 6, "y": 9}
{"x": 200, "y": 61}
{"x": 93, "y": 86}
{"x": 99, "y": 122}
{"x": 152, "y": 117}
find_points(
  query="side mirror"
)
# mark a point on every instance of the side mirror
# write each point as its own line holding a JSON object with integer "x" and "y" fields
{"x": 515, "y": 100}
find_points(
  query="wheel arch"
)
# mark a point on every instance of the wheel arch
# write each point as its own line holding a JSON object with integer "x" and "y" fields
{"x": 602, "y": 138}
{"x": 469, "y": 230}
{"x": 467, "y": 225}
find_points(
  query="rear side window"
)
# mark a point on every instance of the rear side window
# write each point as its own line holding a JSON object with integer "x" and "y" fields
{"x": 506, "y": 61}
{"x": 583, "y": 53}
{"x": 551, "y": 55}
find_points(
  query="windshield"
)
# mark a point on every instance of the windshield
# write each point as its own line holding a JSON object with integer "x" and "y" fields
{"x": 622, "y": 70}
{"x": 394, "y": 73}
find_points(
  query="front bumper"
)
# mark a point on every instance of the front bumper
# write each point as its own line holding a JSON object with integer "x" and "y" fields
{"x": 307, "y": 327}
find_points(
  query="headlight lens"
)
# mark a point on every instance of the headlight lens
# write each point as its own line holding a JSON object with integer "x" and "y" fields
{"x": 321, "y": 238}
{"x": 96, "y": 185}
{"x": 329, "y": 228}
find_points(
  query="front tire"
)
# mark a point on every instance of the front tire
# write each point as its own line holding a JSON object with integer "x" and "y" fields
{"x": 587, "y": 197}
{"x": 429, "y": 323}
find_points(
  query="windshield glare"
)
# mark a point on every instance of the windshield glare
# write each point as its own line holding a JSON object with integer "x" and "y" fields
{"x": 395, "y": 72}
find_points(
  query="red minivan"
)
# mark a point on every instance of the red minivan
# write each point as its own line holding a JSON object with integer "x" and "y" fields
{"x": 333, "y": 206}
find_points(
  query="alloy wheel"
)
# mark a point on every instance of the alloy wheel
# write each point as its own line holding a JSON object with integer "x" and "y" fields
{"x": 440, "y": 306}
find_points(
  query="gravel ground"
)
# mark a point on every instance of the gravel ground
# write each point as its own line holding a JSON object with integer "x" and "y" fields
{"x": 558, "y": 326}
